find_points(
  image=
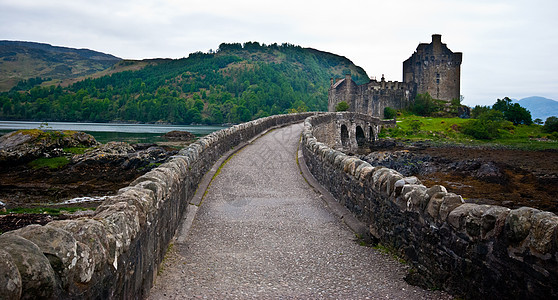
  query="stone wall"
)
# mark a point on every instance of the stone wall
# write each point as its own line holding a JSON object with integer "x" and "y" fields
{"x": 466, "y": 249}
{"x": 331, "y": 131}
{"x": 116, "y": 253}
{"x": 371, "y": 98}
{"x": 435, "y": 69}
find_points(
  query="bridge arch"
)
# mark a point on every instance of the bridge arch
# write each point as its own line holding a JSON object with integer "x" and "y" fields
{"x": 361, "y": 138}
{"x": 344, "y": 134}
{"x": 348, "y": 131}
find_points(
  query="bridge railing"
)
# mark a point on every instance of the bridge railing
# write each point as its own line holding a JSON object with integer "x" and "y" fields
{"x": 116, "y": 253}
{"x": 467, "y": 249}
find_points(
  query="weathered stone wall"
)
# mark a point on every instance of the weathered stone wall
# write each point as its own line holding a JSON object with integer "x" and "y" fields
{"x": 467, "y": 249}
{"x": 435, "y": 69}
{"x": 116, "y": 253}
{"x": 371, "y": 98}
{"x": 360, "y": 128}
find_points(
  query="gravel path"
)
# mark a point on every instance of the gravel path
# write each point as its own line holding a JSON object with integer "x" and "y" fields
{"x": 262, "y": 232}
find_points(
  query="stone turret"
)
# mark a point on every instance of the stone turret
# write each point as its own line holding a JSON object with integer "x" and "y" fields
{"x": 435, "y": 69}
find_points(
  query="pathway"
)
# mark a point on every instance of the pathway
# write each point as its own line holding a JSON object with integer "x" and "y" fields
{"x": 262, "y": 232}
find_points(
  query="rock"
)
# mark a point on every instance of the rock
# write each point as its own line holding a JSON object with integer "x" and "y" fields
{"x": 61, "y": 249}
{"x": 37, "y": 276}
{"x": 489, "y": 172}
{"x": 22, "y": 146}
{"x": 518, "y": 223}
{"x": 10, "y": 280}
{"x": 177, "y": 135}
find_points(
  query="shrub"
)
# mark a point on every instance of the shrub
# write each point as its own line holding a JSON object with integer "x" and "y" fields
{"x": 479, "y": 110}
{"x": 551, "y": 124}
{"x": 415, "y": 125}
{"x": 342, "y": 106}
{"x": 424, "y": 105}
{"x": 389, "y": 113}
{"x": 486, "y": 127}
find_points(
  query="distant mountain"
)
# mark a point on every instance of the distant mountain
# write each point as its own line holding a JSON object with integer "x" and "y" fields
{"x": 236, "y": 83}
{"x": 540, "y": 107}
{"x": 26, "y": 60}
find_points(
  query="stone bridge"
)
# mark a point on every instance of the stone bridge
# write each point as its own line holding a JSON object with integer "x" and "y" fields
{"x": 231, "y": 216}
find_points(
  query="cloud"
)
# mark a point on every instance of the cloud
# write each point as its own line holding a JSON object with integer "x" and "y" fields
{"x": 508, "y": 45}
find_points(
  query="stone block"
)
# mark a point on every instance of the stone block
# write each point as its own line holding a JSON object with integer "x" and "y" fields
{"x": 347, "y": 163}
{"x": 388, "y": 187}
{"x": 122, "y": 225}
{"x": 415, "y": 197}
{"x": 433, "y": 206}
{"x": 339, "y": 161}
{"x": 449, "y": 203}
{"x": 457, "y": 217}
{"x": 543, "y": 232}
{"x": 365, "y": 173}
{"x": 10, "y": 280}
{"x": 518, "y": 223}
{"x": 91, "y": 233}
{"x": 378, "y": 175}
{"x": 59, "y": 246}
{"x": 38, "y": 279}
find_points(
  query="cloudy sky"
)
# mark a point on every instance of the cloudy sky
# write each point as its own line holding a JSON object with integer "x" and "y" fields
{"x": 508, "y": 46}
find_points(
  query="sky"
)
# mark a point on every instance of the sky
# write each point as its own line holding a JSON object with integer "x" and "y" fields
{"x": 508, "y": 46}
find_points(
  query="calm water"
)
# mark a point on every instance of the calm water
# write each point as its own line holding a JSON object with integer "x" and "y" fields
{"x": 105, "y": 132}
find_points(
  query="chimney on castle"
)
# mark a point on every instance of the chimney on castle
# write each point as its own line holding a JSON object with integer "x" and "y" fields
{"x": 437, "y": 43}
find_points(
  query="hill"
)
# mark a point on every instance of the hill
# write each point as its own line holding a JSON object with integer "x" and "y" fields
{"x": 540, "y": 107}
{"x": 37, "y": 61}
{"x": 237, "y": 83}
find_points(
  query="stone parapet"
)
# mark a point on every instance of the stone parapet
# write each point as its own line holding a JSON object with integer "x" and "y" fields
{"x": 466, "y": 249}
{"x": 115, "y": 254}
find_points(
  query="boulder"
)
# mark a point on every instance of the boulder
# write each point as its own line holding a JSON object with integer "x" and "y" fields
{"x": 38, "y": 280}
{"x": 177, "y": 135}
{"x": 22, "y": 146}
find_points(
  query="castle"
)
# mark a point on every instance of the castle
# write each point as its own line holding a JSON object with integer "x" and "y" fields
{"x": 433, "y": 69}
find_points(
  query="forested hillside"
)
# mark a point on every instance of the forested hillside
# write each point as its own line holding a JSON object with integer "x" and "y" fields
{"x": 43, "y": 62}
{"x": 236, "y": 83}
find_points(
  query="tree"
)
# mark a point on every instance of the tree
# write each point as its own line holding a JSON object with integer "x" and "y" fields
{"x": 424, "y": 105}
{"x": 551, "y": 124}
{"x": 513, "y": 112}
{"x": 479, "y": 110}
{"x": 389, "y": 113}
{"x": 342, "y": 106}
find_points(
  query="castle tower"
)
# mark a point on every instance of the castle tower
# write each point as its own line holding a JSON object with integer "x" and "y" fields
{"x": 435, "y": 69}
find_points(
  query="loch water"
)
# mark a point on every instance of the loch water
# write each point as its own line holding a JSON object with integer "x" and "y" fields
{"x": 105, "y": 132}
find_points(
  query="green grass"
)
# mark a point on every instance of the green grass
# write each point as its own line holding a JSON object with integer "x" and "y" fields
{"x": 51, "y": 162}
{"x": 76, "y": 150}
{"x": 45, "y": 210}
{"x": 447, "y": 131}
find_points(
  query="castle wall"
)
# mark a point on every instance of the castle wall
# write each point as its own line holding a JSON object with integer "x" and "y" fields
{"x": 371, "y": 98}
{"x": 435, "y": 69}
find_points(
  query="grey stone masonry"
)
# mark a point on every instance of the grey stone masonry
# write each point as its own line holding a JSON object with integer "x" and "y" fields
{"x": 467, "y": 249}
{"x": 116, "y": 253}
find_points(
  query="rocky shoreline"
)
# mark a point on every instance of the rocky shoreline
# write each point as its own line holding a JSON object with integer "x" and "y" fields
{"x": 101, "y": 170}
{"x": 498, "y": 176}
